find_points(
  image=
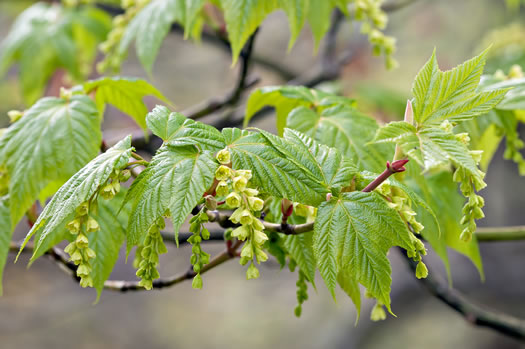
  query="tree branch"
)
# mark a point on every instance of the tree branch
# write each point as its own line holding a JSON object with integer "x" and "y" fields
{"x": 501, "y": 233}
{"x": 473, "y": 313}
{"x": 62, "y": 259}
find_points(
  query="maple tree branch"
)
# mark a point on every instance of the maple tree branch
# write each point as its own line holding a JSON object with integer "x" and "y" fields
{"x": 62, "y": 259}
{"x": 494, "y": 234}
{"x": 473, "y": 313}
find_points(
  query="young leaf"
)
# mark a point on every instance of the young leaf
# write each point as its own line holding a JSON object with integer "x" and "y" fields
{"x": 125, "y": 94}
{"x": 354, "y": 232}
{"x": 296, "y": 10}
{"x": 149, "y": 27}
{"x": 452, "y": 95}
{"x": 78, "y": 189}
{"x": 286, "y": 98}
{"x": 273, "y": 173}
{"x": 43, "y": 40}
{"x": 348, "y": 283}
{"x": 107, "y": 241}
{"x": 345, "y": 129}
{"x": 6, "y": 232}
{"x": 173, "y": 183}
{"x": 54, "y": 139}
{"x": 300, "y": 249}
{"x": 242, "y": 19}
{"x": 175, "y": 129}
{"x": 430, "y": 147}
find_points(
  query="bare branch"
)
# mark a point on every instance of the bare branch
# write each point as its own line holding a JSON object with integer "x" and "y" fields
{"x": 473, "y": 313}
{"x": 501, "y": 234}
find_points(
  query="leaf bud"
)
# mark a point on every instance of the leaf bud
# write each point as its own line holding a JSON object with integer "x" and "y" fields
{"x": 233, "y": 200}
{"x": 222, "y": 173}
{"x": 222, "y": 189}
{"x": 223, "y": 157}
{"x": 211, "y": 203}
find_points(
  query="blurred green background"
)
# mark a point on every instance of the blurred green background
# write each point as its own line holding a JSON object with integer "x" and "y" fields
{"x": 44, "y": 308}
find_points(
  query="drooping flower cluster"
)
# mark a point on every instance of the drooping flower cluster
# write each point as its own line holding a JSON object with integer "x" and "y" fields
{"x": 233, "y": 184}
{"x": 198, "y": 258}
{"x": 79, "y": 250}
{"x": 400, "y": 202}
{"x": 148, "y": 255}
{"x": 111, "y": 47}
{"x": 374, "y": 20}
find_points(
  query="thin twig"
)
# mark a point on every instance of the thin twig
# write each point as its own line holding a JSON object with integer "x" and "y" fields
{"x": 473, "y": 313}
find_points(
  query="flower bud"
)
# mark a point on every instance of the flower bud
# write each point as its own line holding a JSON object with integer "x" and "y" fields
{"x": 86, "y": 282}
{"x": 257, "y": 225}
{"x": 260, "y": 237}
{"x": 246, "y": 217}
{"x": 463, "y": 138}
{"x": 260, "y": 255}
{"x": 251, "y": 192}
{"x": 244, "y": 173}
{"x": 378, "y": 313}
{"x": 223, "y": 157}
{"x": 197, "y": 282}
{"x": 466, "y": 235}
{"x": 421, "y": 270}
{"x": 446, "y": 126}
{"x": 239, "y": 183}
{"x": 92, "y": 225}
{"x": 124, "y": 175}
{"x": 241, "y": 232}
{"x": 81, "y": 241}
{"x": 14, "y": 115}
{"x": 223, "y": 173}
{"x": 252, "y": 272}
{"x": 74, "y": 226}
{"x": 256, "y": 204}
{"x": 211, "y": 203}
{"x": 205, "y": 234}
{"x": 233, "y": 200}
{"x": 83, "y": 209}
{"x": 222, "y": 189}
{"x": 107, "y": 192}
{"x": 247, "y": 251}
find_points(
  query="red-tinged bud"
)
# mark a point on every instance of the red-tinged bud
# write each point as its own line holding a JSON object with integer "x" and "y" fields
{"x": 286, "y": 208}
{"x": 409, "y": 113}
{"x": 396, "y": 166}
